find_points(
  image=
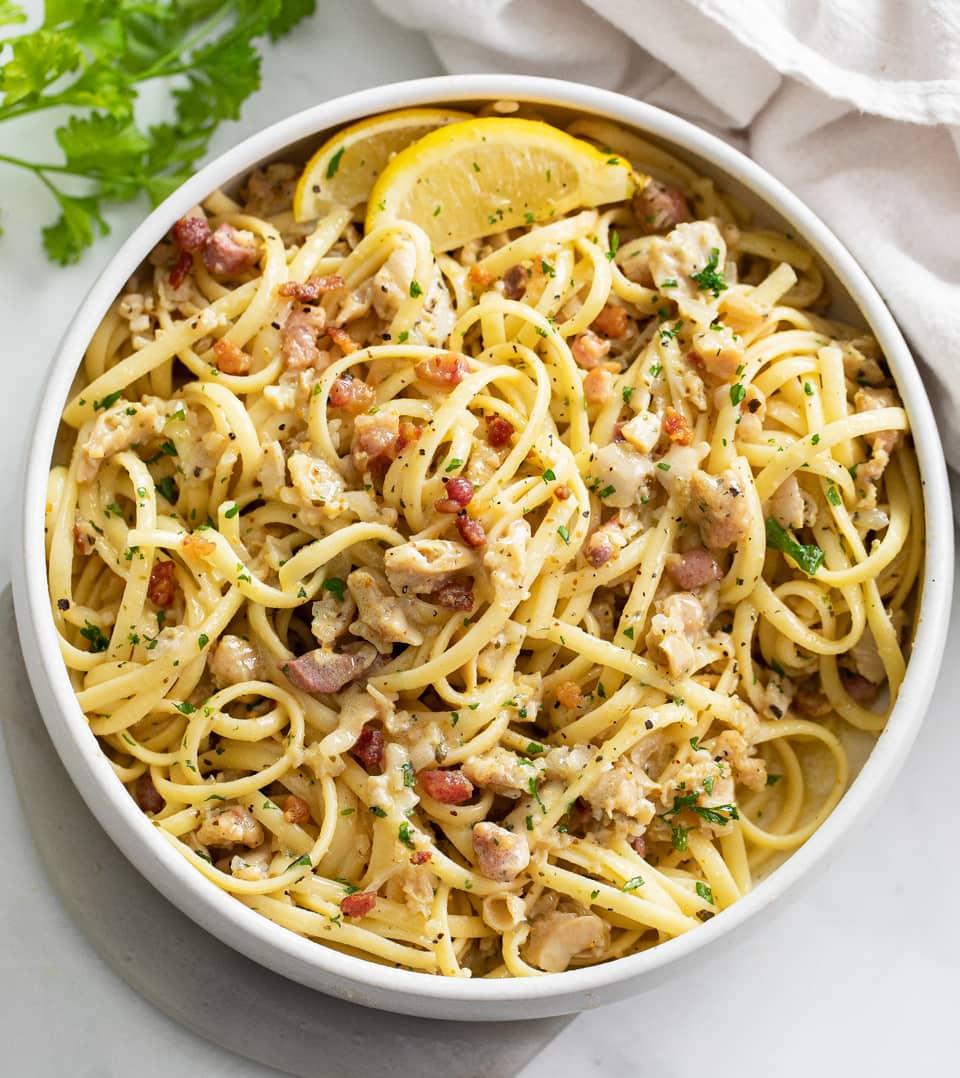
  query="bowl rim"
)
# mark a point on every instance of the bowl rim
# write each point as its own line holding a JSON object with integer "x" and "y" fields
{"x": 303, "y": 959}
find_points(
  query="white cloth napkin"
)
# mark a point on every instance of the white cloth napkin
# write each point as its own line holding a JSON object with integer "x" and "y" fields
{"x": 854, "y": 104}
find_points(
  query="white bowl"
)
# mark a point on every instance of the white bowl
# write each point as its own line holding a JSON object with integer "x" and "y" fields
{"x": 311, "y": 963}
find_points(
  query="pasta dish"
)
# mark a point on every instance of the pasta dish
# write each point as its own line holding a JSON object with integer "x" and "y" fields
{"x": 476, "y": 549}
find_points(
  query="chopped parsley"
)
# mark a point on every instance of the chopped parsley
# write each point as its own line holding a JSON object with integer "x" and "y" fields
{"x": 808, "y": 557}
{"x": 232, "y": 511}
{"x": 708, "y": 279}
{"x": 549, "y": 270}
{"x": 633, "y": 883}
{"x": 549, "y": 475}
{"x": 614, "y": 245}
{"x": 203, "y": 640}
{"x": 627, "y": 394}
{"x": 185, "y": 708}
{"x": 377, "y": 811}
{"x": 454, "y": 465}
{"x": 704, "y": 891}
{"x": 335, "y": 586}
{"x": 737, "y": 393}
{"x": 403, "y": 833}
{"x": 108, "y": 401}
{"x": 304, "y": 861}
{"x": 168, "y": 488}
{"x": 409, "y": 776}
{"x": 334, "y": 163}
{"x": 91, "y": 632}
{"x": 564, "y": 534}
{"x": 415, "y": 289}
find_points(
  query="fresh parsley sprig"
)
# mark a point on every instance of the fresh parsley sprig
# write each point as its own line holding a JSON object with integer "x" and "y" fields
{"x": 93, "y": 56}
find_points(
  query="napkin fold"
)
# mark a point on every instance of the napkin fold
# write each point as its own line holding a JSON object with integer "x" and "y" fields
{"x": 853, "y": 104}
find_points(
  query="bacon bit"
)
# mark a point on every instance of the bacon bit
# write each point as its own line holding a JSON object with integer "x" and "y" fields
{"x": 295, "y": 809}
{"x": 589, "y": 350}
{"x": 864, "y": 692}
{"x": 598, "y": 386}
{"x": 676, "y": 427}
{"x": 351, "y": 394}
{"x": 230, "y": 358}
{"x": 479, "y": 275}
{"x": 598, "y": 549}
{"x": 191, "y": 233}
{"x": 195, "y": 546}
{"x": 447, "y": 369}
{"x": 471, "y": 530}
{"x": 179, "y": 272}
{"x": 325, "y": 671}
{"x": 448, "y": 787}
{"x": 407, "y": 434}
{"x": 562, "y": 493}
{"x": 453, "y": 596}
{"x": 162, "y": 589}
{"x": 312, "y": 290}
{"x": 499, "y": 431}
{"x": 696, "y": 361}
{"x": 515, "y": 282}
{"x": 82, "y": 541}
{"x": 147, "y": 795}
{"x": 811, "y": 700}
{"x": 342, "y": 340}
{"x": 368, "y": 748}
{"x": 639, "y": 844}
{"x": 693, "y": 568}
{"x": 660, "y": 207}
{"x": 228, "y": 251}
{"x": 569, "y": 694}
{"x": 375, "y": 439}
{"x": 358, "y": 905}
{"x": 612, "y": 321}
{"x": 421, "y": 857}
{"x": 458, "y": 493}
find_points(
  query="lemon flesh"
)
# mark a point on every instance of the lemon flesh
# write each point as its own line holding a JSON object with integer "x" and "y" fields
{"x": 345, "y": 168}
{"x": 483, "y": 176}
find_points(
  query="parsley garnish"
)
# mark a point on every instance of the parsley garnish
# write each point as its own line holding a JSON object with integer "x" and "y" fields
{"x": 549, "y": 270}
{"x": 304, "y": 860}
{"x": 614, "y": 245}
{"x": 334, "y": 163}
{"x": 808, "y": 557}
{"x": 737, "y": 393}
{"x": 377, "y": 811}
{"x": 633, "y": 883}
{"x": 415, "y": 289}
{"x": 93, "y": 59}
{"x": 111, "y": 398}
{"x": 232, "y": 511}
{"x": 335, "y": 586}
{"x": 549, "y": 475}
{"x": 564, "y": 534}
{"x": 409, "y": 776}
{"x": 704, "y": 891}
{"x": 403, "y": 833}
{"x": 708, "y": 280}
{"x": 168, "y": 488}
{"x": 91, "y": 632}
{"x": 627, "y": 394}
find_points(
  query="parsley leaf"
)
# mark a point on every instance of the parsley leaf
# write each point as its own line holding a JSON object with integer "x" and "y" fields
{"x": 94, "y": 56}
{"x": 808, "y": 556}
{"x": 708, "y": 279}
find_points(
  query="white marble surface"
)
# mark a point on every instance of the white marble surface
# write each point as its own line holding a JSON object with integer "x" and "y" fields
{"x": 857, "y": 976}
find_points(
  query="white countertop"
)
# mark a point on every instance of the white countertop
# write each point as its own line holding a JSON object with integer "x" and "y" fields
{"x": 858, "y": 975}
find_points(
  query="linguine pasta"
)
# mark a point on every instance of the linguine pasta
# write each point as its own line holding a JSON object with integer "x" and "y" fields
{"x": 491, "y": 611}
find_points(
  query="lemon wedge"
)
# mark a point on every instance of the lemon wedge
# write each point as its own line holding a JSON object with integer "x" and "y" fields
{"x": 343, "y": 171}
{"x": 482, "y": 176}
